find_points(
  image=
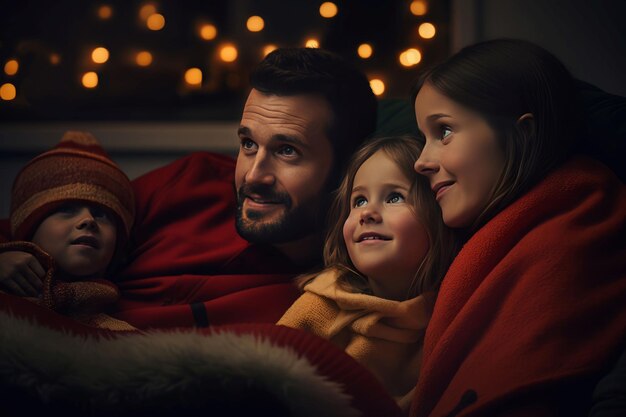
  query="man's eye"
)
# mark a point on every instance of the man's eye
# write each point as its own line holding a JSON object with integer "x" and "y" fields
{"x": 359, "y": 202}
{"x": 288, "y": 150}
{"x": 395, "y": 198}
{"x": 247, "y": 144}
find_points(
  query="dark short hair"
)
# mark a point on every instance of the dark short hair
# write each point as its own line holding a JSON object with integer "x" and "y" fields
{"x": 503, "y": 79}
{"x": 292, "y": 71}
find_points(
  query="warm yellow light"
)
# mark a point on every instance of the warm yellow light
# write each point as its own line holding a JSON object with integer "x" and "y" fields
{"x": 100, "y": 55}
{"x": 193, "y": 76}
{"x": 146, "y": 11}
{"x": 255, "y": 24}
{"x": 11, "y": 67}
{"x": 143, "y": 58}
{"x": 312, "y": 43}
{"x": 7, "y": 92}
{"x": 105, "y": 12}
{"x": 365, "y": 50}
{"x": 55, "y": 59}
{"x": 267, "y": 49}
{"x": 328, "y": 9}
{"x": 228, "y": 53}
{"x": 427, "y": 30}
{"x": 208, "y": 32}
{"x": 155, "y": 21}
{"x": 410, "y": 57}
{"x": 377, "y": 86}
{"x": 419, "y": 7}
{"x": 90, "y": 79}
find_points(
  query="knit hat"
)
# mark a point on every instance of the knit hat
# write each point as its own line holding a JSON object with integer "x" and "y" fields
{"x": 76, "y": 169}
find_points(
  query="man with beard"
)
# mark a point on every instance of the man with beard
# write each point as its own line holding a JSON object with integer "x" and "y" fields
{"x": 205, "y": 255}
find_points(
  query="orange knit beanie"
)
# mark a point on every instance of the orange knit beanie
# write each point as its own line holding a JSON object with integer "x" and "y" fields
{"x": 76, "y": 169}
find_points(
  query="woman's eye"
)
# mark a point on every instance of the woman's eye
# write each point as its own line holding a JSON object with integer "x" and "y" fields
{"x": 445, "y": 132}
{"x": 395, "y": 198}
{"x": 359, "y": 202}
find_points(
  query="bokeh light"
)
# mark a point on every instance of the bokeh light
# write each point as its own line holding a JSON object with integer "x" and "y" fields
{"x": 312, "y": 43}
{"x": 8, "y": 92}
{"x": 427, "y": 30}
{"x": 155, "y": 21}
{"x": 193, "y": 76}
{"x": 208, "y": 32}
{"x": 11, "y": 67}
{"x": 267, "y": 49}
{"x": 410, "y": 57}
{"x": 228, "y": 53}
{"x": 55, "y": 59}
{"x": 365, "y": 50}
{"x": 105, "y": 12}
{"x": 100, "y": 55}
{"x": 328, "y": 10}
{"x": 377, "y": 86}
{"x": 419, "y": 7}
{"x": 146, "y": 11}
{"x": 143, "y": 58}
{"x": 255, "y": 23}
{"x": 90, "y": 79}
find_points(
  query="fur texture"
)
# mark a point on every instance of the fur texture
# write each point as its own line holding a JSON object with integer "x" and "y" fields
{"x": 162, "y": 373}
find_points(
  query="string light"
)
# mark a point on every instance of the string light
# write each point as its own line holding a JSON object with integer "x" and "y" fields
{"x": 208, "y": 32}
{"x": 365, "y": 50}
{"x": 105, "y": 12}
{"x": 155, "y": 21}
{"x": 255, "y": 24}
{"x": 328, "y": 10}
{"x": 427, "y": 30}
{"x": 377, "y": 86}
{"x": 312, "y": 43}
{"x": 8, "y": 92}
{"x": 90, "y": 79}
{"x": 100, "y": 55}
{"x": 228, "y": 53}
{"x": 267, "y": 49}
{"x": 143, "y": 58}
{"x": 419, "y": 7}
{"x": 410, "y": 57}
{"x": 146, "y": 11}
{"x": 11, "y": 67}
{"x": 55, "y": 59}
{"x": 193, "y": 76}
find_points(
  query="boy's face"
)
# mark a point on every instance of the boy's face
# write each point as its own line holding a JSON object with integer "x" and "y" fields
{"x": 80, "y": 237}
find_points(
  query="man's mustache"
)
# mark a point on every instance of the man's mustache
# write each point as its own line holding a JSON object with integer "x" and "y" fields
{"x": 266, "y": 193}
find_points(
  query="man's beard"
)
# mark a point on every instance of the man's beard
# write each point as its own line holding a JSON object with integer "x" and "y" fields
{"x": 293, "y": 224}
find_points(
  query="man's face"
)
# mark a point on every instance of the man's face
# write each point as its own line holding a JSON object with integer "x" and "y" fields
{"x": 283, "y": 165}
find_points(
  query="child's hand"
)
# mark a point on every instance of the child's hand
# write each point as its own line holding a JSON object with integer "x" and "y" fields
{"x": 21, "y": 273}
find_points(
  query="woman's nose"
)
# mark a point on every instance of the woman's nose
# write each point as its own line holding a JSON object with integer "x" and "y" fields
{"x": 425, "y": 164}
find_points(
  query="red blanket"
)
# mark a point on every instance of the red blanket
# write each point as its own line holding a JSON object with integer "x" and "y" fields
{"x": 535, "y": 301}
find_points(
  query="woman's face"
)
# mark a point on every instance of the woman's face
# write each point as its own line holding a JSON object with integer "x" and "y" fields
{"x": 461, "y": 158}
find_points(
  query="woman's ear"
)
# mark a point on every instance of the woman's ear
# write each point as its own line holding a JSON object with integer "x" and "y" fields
{"x": 526, "y": 122}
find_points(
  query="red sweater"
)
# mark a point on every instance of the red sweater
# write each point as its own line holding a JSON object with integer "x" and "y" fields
{"x": 189, "y": 267}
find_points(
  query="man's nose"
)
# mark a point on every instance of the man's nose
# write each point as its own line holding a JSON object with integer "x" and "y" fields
{"x": 262, "y": 170}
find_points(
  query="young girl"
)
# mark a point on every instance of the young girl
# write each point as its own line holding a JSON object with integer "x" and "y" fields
{"x": 384, "y": 257}
{"x": 533, "y": 308}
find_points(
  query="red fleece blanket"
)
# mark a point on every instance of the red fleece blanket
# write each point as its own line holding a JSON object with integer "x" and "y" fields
{"x": 536, "y": 299}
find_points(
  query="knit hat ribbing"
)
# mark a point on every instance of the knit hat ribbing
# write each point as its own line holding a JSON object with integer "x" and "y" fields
{"x": 76, "y": 169}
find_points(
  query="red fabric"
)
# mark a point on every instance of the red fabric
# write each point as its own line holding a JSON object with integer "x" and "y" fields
{"x": 187, "y": 251}
{"x": 536, "y": 299}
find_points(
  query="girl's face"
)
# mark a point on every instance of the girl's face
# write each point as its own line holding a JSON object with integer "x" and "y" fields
{"x": 461, "y": 158}
{"x": 80, "y": 238}
{"x": 385, "y": 240}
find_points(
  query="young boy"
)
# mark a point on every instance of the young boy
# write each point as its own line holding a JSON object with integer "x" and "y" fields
{"x": 72, "y": 209}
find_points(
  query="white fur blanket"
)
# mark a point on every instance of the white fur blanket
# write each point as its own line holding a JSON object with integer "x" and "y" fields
{"x": 160, "y": 373}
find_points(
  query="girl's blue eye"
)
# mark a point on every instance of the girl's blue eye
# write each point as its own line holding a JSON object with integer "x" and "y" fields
{"x": 359, "y": 202}
{"x": 395, "y": 198}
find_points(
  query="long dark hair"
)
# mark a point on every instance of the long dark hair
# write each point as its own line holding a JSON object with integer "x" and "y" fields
{"x": 502, "y": 80}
